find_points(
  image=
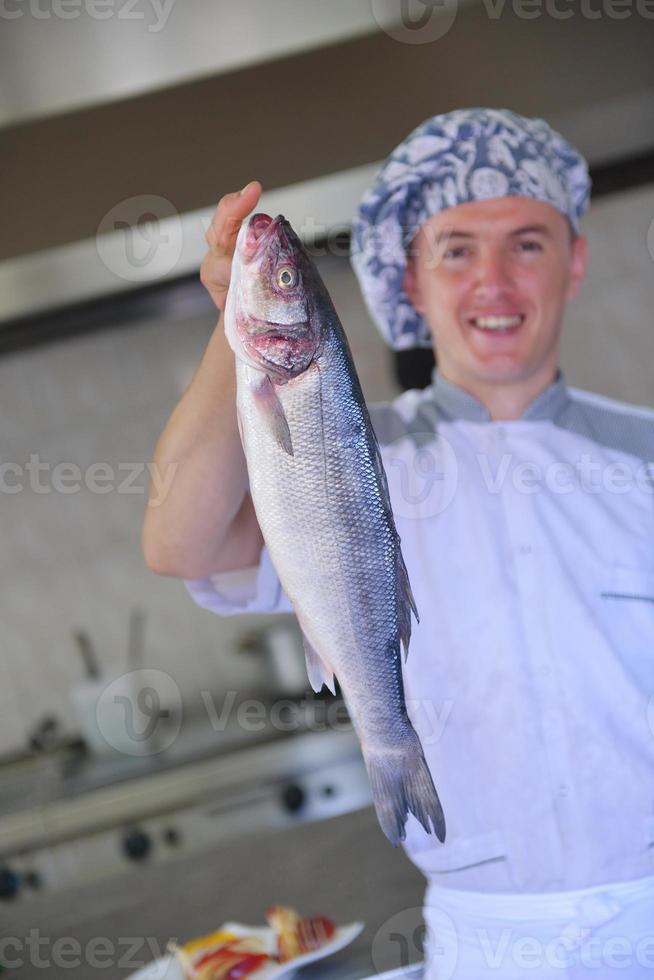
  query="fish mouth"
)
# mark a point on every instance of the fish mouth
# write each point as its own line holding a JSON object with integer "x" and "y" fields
{"x": 260, "y": 229}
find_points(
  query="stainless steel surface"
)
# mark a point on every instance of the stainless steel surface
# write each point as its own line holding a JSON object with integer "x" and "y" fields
{"x": 113, "y": 262}
{"x": 97, "y": 832}
{"x": 120, "y": 260}
{"x": 135, "y": 47}
{"x": 228, "y": 725}
{"x": 99, "y": 242}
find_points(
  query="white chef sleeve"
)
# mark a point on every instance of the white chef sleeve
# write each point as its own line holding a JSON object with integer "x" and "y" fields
{"x": 249, "y": 590}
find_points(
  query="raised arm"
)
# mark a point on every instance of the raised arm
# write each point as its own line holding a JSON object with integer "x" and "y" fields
{"x": 199, "y": 518}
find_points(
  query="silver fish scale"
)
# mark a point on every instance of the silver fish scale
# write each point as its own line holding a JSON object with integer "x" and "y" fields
{"x": 330, "y": 535}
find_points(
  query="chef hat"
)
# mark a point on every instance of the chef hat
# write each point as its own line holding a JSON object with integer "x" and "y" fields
{"x": 461, "y": 156}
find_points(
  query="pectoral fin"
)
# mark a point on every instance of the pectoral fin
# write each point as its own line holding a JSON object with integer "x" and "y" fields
{"x": 272, "y": 411}
{"x": 317, "y": 670}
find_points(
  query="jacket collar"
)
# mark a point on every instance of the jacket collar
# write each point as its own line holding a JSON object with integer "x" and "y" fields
{"x": 454, "y": 402}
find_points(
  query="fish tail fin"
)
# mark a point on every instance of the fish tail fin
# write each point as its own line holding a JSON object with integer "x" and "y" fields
{"x": 401, "y": 784}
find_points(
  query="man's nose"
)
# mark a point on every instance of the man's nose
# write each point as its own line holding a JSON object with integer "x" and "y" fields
{"x": 493, "y": 276}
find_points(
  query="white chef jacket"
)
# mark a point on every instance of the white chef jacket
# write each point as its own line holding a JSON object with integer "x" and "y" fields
{"x": 530, "y": 677}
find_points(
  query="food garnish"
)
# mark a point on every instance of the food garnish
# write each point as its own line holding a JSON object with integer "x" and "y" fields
{"x": 224, "y": 955}
{"x": 297, "y": 936}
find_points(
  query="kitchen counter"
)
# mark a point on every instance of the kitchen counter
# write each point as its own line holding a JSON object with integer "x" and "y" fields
{"x": 68, "y": 773}
{"x": 343, "y": 867}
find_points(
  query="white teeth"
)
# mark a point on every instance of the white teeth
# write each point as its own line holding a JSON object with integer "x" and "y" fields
{"x": 497, "y": 322}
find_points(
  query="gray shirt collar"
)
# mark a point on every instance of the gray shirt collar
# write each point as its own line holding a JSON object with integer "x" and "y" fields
{"x": 456, "y": 403}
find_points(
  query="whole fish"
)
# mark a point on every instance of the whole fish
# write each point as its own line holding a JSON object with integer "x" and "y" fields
{"x": 320, "y": 494}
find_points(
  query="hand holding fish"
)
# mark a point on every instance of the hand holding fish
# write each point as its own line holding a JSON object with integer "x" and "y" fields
{"x": 221, "y": 237}
{"x": 200, "y": 518}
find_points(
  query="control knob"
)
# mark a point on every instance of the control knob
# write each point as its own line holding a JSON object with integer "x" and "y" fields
{"x": 136, "y": 844}
{"x": 9, "y": 884}
{"x": 293, "y": 797}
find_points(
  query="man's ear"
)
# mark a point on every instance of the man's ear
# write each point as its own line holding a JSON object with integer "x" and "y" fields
{"x": 578, "y": 264}
{"x": 410, "y": 284}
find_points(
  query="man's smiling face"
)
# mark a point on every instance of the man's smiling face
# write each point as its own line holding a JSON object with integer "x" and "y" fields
{"x": 492, "y": 279}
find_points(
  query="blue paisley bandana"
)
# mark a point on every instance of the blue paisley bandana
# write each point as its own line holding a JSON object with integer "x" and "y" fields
{"x": 467, "y": 155}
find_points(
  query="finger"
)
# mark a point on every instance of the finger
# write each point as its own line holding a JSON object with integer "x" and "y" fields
{"x": 214, "y": 275}
{"x": 228, "y": 217}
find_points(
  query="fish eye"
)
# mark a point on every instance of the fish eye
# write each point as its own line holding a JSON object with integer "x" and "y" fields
{"x": 286, "y": 277}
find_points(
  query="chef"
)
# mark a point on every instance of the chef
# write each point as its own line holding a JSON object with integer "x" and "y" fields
{"x": 526, "y": 513}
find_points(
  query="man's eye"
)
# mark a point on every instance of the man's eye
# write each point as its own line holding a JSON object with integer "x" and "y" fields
{"x": 530, "y": 246}
{"x": 455, "y": 253}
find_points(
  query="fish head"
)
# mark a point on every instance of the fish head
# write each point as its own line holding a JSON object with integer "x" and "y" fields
{"x": 271, "y": 319}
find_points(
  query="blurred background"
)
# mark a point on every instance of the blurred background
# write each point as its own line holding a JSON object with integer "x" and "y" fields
{"x": 122, "y": 124}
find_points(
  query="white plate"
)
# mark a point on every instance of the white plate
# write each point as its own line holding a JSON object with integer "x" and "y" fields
{"x": 167, "y": 967}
